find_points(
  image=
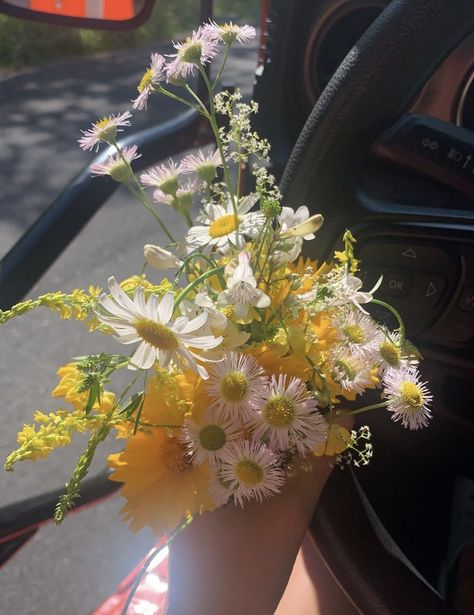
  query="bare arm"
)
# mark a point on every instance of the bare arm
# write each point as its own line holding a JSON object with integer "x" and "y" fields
{"x": 236, "y": 561}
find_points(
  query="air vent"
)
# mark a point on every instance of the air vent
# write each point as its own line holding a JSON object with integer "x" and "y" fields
{"x": 333, "y": 36}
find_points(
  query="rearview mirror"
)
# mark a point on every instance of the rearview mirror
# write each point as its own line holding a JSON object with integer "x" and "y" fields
{"x": 97, "y": 14}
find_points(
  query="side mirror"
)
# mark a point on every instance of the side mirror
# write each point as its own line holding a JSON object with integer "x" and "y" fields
{"x": 97, "y": 14}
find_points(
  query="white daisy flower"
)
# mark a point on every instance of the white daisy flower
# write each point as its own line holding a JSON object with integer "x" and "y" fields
{"x": 352, "y": 373}
{"x": 204, "y": 165}
{"x": 163, "y": 176}
{"x": 115, "y": 165}
{"x": 159, "y": 258}
{"x": 358, "y": 333}
{"x": 251, "y": 470}
{"x": 104, "y": 130}
{"x": 242, "y": 292}
{"x": 223, "y": 228}
{"x": 237, "y": 385}
{"x": 289, "y": 417}
{"x": 409, "y": 398}
{"x": 207, "y": 439}
{"x": 149, "y": 322}
{"x": 154, "y": 74}
{"x": 196, "y": 50}
{"x": 230, "y": 32}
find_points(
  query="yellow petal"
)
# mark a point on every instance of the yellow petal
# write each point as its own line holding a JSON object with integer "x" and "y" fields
{"x": 337, "y": 441}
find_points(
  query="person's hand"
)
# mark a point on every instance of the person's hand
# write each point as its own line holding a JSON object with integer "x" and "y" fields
{"x": 238, "y": 561}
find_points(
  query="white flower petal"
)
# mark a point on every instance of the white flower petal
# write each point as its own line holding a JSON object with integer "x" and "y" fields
{"x": 165, "y": 309}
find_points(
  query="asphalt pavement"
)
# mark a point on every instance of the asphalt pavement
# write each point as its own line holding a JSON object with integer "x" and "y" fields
{"x": 69, "y": 570}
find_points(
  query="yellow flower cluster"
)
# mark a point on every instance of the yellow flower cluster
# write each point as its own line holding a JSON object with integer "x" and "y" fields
{"x": 55, "y": 429}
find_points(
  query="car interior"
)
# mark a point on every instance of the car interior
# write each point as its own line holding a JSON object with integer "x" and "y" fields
{"x": 371, "y": 124}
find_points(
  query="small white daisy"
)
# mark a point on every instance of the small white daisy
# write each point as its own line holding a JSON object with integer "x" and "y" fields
{"x": 358, "y": 333}
{"x": 237, "y": 384}
{"x": 207, "y": 439}
{"x": 196, "y": 50}
{"x": 104, "y": 130}
{"x": 409, "y": 398}
{"x": 391, "y": 355}
{"x": 181, "y": 200}
{"x": 204, "y": 165}
{"x": 289, "y": 417}
{"x": 115, "y": 166}
{"x": 242, "y": 292}
{"x": 352, "y": 373}
{"x": 149, "y": 322}
{"x": 230, "y": 32}
{"x": 163, "y": 176}
{"x": 154, "y": 74}
{"x": 223, "y": 228}
{"x": 251, "y": 470}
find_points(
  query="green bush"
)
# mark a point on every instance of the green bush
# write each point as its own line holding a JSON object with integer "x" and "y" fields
{"x": 26, "y": 43}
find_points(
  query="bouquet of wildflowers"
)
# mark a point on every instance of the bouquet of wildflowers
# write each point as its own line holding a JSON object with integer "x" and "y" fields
{"x": 245, "y": 356}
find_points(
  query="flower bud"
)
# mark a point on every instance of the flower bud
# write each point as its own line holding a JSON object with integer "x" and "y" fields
{"x": 311, "y": 225}
{"x": 160, "y": 258}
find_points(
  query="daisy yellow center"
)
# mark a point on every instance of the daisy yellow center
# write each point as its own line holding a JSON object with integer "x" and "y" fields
{"x": 172, "y": 454}
{"x": 234, "y": 386}
{"x": 224, "y": 225}
{"x": 354, "y": 334}
{"x": 249, "y": 472}
{"x": 390, "y": 353}
{"x": 279, "y": 411}
{"x": 146, "y": 80}
{"x": 107, "y": 131}
{"x": 102, "y": 124}
{"x": 411, "y": 394}
{"x": 156, "y": 334}
{"x": 212, "y": 437}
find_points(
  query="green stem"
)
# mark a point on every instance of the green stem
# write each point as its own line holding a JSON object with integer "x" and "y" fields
{"x": 183, "y": 101}
{"x": 224, "y": 61}
{"x": 185, "y": 292}
{"x": 215, "y": 130}
{"x": 382, "y": 404}
{"x": 391, "y": 309}
{"x": 140, "y": 193}
{"x": 149, "y": 561}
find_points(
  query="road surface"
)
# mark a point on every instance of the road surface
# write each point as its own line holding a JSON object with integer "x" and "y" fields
{"x": 73, "y": 568}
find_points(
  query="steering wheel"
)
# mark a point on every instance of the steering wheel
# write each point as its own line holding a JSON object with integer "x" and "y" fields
{"x": 368, "y": 94}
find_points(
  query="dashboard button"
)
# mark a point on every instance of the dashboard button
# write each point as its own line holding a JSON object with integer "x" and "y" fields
{"x": 395, "y": 284}
{"x": 466, "y": 302}
{"x": 427, "y": 290}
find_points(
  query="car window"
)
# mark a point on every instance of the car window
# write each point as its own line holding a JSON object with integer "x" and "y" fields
{"x": 47, "y": 94}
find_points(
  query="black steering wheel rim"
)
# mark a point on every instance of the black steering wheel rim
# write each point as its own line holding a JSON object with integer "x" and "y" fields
{"x": 371, "y": 89}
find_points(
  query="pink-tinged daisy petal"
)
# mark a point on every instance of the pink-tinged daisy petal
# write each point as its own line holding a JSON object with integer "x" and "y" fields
{"x": 115, "y": 165}
{"x": 230, "y": 32}
{"x": 104, "y": 130}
